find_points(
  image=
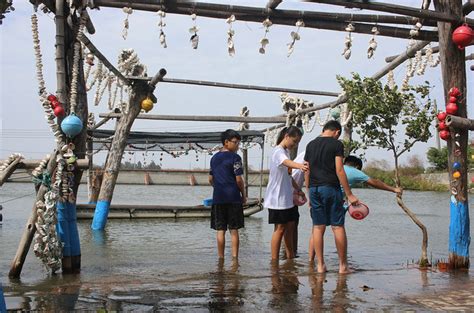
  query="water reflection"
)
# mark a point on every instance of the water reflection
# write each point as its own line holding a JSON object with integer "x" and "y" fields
{"x": 285, "y": 285}
{"x": 337, "y": 300}
{"x": 59, "y": 294}
{"x": 225, "y": 291}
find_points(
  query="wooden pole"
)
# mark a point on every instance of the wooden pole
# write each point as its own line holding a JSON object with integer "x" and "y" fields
{"x": 423, "y": 52}
{"x": 201, "y": 118}
{"x": 272, "y": 4}
{"x": 396, "y": 9}
{"x": 114, "y": 157}
{"x": 453, "y": 70}
{"x": 102, "y": 58}
{"x": 278, "y": 17}
{"x": 239, "y": 86}
{"x": 458, "y": 122}
{"x": 30, "y": 229}
{"x": 61, "y": 74}
{"x": 5, "y": 174}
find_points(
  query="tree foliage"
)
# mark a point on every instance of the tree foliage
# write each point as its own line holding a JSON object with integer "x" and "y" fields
{"x": 380, "y": 113}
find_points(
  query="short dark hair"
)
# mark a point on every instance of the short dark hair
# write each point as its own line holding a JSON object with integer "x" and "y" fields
{"x": 229, "y": 135}
{"x": 291, "y": 131}
{"x": 332, "y": 125}
{"x": 353, "y": 161}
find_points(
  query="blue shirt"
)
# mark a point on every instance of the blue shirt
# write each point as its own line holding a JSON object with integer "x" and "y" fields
{"x": 355, "y": 176}
{"x": 225, "y": 166}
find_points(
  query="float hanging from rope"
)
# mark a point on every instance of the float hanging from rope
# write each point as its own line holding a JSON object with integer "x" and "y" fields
{"x": 71, "y": 125}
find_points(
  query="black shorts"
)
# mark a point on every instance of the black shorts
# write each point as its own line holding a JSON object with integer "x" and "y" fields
{"x": 283, "y": 216}
{"x": 227, "y": 215}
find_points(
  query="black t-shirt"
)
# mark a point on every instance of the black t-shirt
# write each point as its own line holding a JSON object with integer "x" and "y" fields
{"x": 321, "y": 155}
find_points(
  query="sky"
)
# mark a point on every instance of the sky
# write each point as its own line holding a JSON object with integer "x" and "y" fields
{"x": 314, "y": 65}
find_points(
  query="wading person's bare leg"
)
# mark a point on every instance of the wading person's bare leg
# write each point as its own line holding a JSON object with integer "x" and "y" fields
{"x": 318, "y": 239}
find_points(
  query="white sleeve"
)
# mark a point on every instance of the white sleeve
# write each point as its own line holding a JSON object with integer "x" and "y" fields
{"x": 279, "y": 156}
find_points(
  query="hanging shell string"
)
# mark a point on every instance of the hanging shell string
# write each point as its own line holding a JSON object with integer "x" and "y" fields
{"x": 126, "y": 24}
{"x": 372, "y": 42}
{"x": 294, "y": 37}
{"x": 348, "y": 41}
{"x": 410, "y": 71}
{"x": 47, "y": 245}
{"x": 264, "y": 41}
{"x": 230, "y": 36}
{"x": 391, "y": 79}
{"x": 49, "y": 114}
{"x": 194, "y": 30}
{"x": 433, "y": 62}
{"x": 161, "y": 25}
{"x": 244, "y": 112}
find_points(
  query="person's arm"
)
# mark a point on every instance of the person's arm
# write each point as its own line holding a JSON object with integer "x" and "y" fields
{"x": 211, "y": 180}
{"x": 341, "y": 175}
{"x": 241, "y": 184}
{"x": 291, "y": 164}
{"x": 295, "y": 184}
{"x": 373, "y": 182}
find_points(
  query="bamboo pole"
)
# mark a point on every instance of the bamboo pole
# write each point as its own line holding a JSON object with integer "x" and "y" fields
{"x": 258, "y": 14}
{"x": 272, "y": 4}
{"x": 201, "y": 118}
{"x": 453, "y": 69}
{"x": 253, "y": 14}
{"x": 30, "y": 229}
{"x": 238, "y": 86}
{"x": 6, "y": 173}
{"x": 423, "y": 52}
{"x": 32, "y": 164}
{"x": 397, "y": 9}
{"x": 61, "y": 91}
{"x": 459, "y": 122}
{"x": 468, "y": 7}
{"x": 102, "y": 58}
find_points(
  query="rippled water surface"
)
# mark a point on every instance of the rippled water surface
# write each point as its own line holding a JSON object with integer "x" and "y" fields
{"x": 171, "y": 265}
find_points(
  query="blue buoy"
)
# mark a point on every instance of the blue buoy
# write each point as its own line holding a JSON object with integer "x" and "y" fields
{"x": 71, "y": 125}
{"x": 456, "y": 165}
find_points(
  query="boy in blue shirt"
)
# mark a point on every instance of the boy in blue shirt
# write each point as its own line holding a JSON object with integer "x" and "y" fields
{"x": 353, "y": 169}
{"x": 229, "y": 192}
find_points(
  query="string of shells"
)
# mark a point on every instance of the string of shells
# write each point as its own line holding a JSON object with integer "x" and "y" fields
{"x": 264, "y": 41}
{"x": 47, "y": 246}
{"x": 10, "y": 160}
{"x": 126, "y": 24}
{"x": 194, "y": 32}
{"x": 230, "y": 36}
{"x": 372, "y": 43}
{"x": 161, "y": 25}
{"x": 348, "y": 41}
{"x": 295, "y": 36}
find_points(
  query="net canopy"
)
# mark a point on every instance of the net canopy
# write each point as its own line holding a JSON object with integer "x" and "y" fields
{"x": 173, "y": 143}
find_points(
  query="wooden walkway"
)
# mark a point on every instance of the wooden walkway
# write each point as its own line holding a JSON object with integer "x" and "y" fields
{"x": 132, "y": 211}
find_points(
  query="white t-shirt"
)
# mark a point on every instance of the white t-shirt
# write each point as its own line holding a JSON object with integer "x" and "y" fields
{"x": 279, "y": 193}
{"x": 298, "y": 175}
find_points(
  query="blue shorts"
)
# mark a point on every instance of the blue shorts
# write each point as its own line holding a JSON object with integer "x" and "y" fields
{"x": 327, "y": 205}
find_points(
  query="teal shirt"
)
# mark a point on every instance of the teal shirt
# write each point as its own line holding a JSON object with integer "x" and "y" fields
{"x": 355, "y": 176}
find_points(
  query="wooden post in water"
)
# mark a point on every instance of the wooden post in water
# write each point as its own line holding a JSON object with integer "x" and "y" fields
{"x": 30, "y": 229}
{"x": 453, "y": 69}
{"x": 140, "y": 91}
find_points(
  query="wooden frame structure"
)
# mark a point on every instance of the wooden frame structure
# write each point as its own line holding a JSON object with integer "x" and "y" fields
{"x": 447, "y": 15}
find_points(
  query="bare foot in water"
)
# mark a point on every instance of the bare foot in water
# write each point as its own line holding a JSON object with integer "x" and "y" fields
{"x": 345, "y": 270}
{"x": 322, "y": 268}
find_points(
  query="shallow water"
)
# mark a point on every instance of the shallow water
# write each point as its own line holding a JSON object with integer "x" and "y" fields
{"x": 171, "y": 265}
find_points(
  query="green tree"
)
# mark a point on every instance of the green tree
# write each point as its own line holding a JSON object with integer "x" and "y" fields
{"x": 386, "y": 118}
{"x": 438, "y": 158}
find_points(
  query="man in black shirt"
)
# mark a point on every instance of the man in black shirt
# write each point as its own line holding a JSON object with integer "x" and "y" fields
{"x": 325, "y": 156}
